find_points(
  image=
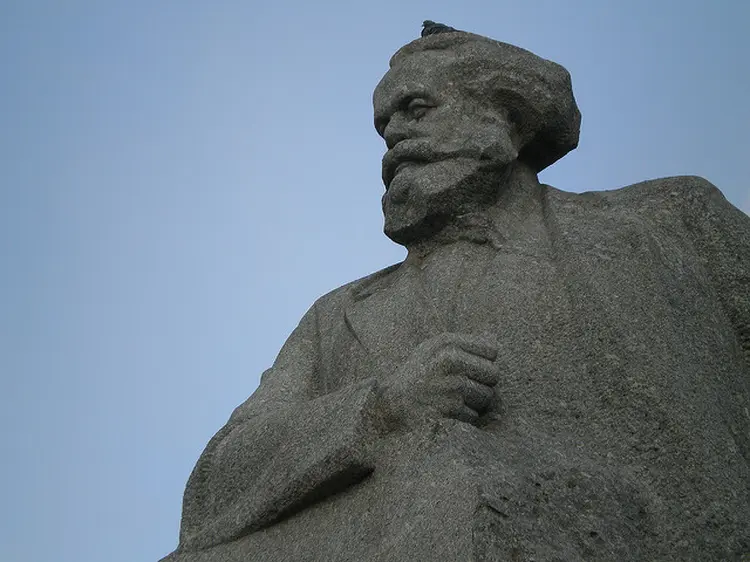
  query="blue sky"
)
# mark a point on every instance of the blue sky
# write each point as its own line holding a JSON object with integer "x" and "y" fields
{"x": 179, "y": 181}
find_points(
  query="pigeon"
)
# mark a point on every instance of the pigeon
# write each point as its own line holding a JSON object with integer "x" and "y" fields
{"x": 430, "y": 27}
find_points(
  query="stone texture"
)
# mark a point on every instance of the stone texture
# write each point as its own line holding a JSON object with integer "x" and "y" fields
{"x": 547, "y": 376}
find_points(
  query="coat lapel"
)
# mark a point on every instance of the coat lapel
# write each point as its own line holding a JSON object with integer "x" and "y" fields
{"x": 390, "y": 315}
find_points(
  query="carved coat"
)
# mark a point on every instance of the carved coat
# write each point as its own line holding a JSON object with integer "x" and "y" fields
{"x": 622, "y": 429}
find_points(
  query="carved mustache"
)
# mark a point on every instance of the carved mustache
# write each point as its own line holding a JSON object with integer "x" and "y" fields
{"x": 422, "y": 151}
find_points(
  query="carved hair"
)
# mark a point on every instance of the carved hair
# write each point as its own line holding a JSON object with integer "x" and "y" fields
{"x": 537, "y": 93}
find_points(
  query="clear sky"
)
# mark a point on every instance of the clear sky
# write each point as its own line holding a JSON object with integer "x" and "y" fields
{"x": 180, "y": 180}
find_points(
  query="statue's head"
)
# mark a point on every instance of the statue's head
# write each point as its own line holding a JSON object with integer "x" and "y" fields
{"x": 458, "y": 111}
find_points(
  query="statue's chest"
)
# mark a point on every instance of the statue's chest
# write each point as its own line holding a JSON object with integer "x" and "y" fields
{"x": 515, "y": 298}
{"x": 521, "y": 301}
{"x": 510, "y": 295}
{"x": 578, "y": 340}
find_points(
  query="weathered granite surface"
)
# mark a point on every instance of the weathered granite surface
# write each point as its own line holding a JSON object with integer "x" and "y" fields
{"x": 547, "y": 376}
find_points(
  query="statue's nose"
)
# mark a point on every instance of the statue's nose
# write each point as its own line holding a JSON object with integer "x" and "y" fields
{"x": 396, "y": 131}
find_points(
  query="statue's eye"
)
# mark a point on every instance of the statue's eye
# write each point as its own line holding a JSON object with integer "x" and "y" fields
{"x": 418, "y": 108}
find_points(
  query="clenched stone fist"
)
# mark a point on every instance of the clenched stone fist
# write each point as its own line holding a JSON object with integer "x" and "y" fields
{"x": 447, "y": 376}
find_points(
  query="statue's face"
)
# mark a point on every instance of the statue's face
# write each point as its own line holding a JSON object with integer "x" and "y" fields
{"x": 447, "y": 150}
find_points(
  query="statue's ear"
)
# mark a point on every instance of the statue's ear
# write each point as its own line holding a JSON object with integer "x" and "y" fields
{"x": 546, "y": 121}
{"x": 523, "y": 117}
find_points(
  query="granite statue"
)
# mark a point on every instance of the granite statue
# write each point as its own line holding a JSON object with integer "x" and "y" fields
{"x": 547, "y": 376}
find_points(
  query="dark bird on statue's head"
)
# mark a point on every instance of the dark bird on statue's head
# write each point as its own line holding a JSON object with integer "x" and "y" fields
{"x": 430, "y": 27}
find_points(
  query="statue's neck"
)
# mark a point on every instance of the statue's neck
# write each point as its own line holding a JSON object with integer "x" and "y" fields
{"x": 515, "y": 214}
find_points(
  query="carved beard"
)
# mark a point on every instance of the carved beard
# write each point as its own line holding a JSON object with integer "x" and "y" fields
{"x": 424, "y": 198}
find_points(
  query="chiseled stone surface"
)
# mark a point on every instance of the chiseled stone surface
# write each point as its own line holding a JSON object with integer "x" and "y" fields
{"x": 548, "y": 376}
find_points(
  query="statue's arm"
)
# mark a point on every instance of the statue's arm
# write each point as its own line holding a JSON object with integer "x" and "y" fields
{"x": 286, "y": 447}
{"x": 721, "y": 235}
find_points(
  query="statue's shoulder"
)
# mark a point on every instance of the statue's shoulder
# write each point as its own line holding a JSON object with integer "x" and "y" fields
{"x": 357, "y": 289}
{"x": 662, "y": 195}
{"x": 674, "y": 191}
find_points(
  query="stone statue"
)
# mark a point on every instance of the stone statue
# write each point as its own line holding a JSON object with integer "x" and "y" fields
{"x": 547, "y": 376}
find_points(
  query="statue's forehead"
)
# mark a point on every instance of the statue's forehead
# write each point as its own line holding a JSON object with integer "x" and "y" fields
{"x": 425, "y": 72}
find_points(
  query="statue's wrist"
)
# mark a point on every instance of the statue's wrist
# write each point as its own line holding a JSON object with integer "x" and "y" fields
{"x": 382, "y": 414}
